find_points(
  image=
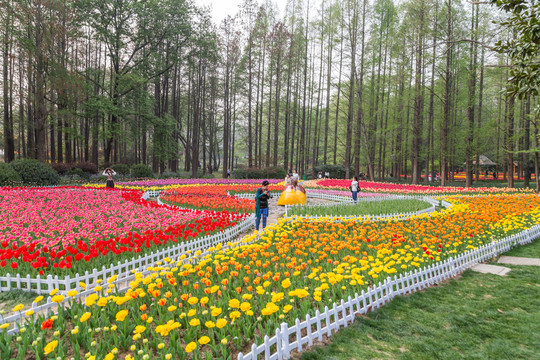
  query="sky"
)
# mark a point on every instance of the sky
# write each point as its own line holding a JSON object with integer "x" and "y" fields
{"x": 222, "y": 8}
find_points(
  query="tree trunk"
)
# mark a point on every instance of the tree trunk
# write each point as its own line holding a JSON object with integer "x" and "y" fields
{"x": 418, "y": 102}
{"x": 447, "y": 95}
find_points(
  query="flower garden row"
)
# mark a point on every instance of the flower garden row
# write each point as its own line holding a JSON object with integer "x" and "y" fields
{"x": 379, "y": 187}
{"x": 71, "y": 230}
{"x": 215, "y": 306}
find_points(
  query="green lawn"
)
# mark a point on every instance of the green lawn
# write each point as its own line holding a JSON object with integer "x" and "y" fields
{"x": 9, "y": 299}
{"x": 475, "y": 317}
{"x": 362, "y": 208}
{"x": 531, "y": 250}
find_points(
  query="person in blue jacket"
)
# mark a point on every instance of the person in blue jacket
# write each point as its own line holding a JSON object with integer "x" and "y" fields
{"x": 261, "y": 201}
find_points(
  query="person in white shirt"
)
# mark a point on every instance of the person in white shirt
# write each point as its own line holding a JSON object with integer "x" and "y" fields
{"x": 354, "y": 189}
{"x": 109, "y": 173}
{"x": 327, "y": 174}
{"x": 295, "y": 175}
{"x": 287, "y": 180}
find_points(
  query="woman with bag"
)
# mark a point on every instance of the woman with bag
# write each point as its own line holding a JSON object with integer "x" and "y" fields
{"x": 354, "y": 189}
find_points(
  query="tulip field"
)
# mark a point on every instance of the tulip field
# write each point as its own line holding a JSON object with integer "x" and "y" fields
{"x": 379, "y": 187}
{"x": 218, "y": 304}
{"x": 70, "y": 230}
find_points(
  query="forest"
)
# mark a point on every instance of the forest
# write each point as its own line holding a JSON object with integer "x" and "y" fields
{"x": 390, "y": 88}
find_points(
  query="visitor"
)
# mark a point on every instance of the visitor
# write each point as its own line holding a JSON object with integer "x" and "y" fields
{"x": 327, "y": 174}
{"x": 261, "y": 201}
{"x": 354, "y": 189}
{"x": 295, "y": 176}
{"x": 319, "y": 175}
{"x": 288, "y": 180}
{"x": 228, "y": 173}
{"x": 109, "y": 173}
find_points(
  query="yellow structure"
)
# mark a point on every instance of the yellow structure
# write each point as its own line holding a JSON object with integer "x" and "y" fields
{"x": 293, "y": 196}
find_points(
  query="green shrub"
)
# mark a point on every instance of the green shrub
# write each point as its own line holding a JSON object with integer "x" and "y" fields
{"x": 35, "y": 173}
{"x": 141, "y": 171}
{"x": 182, "y": 174}
{"x": 8, "y": 176}
{"x": 61, "y": 168}
{"x": 87, "y": 167}
{"x": 78, "y": 172}
{"x": 167, "y": 175}
{"x": 64, "y": 168}
{"x": 121, "y": 169}
{"x": 206, "y": 176}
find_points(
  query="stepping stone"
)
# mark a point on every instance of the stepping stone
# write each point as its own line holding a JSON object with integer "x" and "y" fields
{"x": 513, "y": 260}
{"x": 491, "y": 269}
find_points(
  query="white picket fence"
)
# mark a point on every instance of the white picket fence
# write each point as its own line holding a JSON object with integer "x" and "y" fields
{"x": 122, "y": 284}
{"x": 303, "y": 332}
{"x": 251, "y": 196}
{"x": 123, "y": 270}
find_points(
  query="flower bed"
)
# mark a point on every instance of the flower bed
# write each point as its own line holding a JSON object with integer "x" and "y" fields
{"x": 346, "y": 193}
{"x": 214, "y": 197}
{"x": 171, "y": 182}
{"x": 406, "y": 189}
{"x": 216, "y": 306}
{"x": 375, "y": 208}
{"x": 70, "y": 230}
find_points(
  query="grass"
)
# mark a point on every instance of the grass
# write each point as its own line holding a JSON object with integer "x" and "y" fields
{"x": 477, "y": 316}
{"x": 531, "y": 250}
{"x": 362, "y": 208}
{"x": 9, "y": 299}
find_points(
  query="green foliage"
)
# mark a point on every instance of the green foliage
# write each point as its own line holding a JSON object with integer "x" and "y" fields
{"x": 254, "y": 173}
{"x": 122, "y": 169}
{"x": 87, "y": 167}
{"x": 141, "y": 171}
{"x": 363, "y": 208}
{"x": 181, "y": 174}
{"x": 35, "y": 173}
{"x": 478, "y": 316}
{"x": 64, "y": 168}
{"x": 524, "y": 47}
{"x": 8, "y": 176}
{"x": 336, "y": 171}
{"x": 200, "y": 175}
{"x": 61, "y": 168}
{"x": 77, "y": 172}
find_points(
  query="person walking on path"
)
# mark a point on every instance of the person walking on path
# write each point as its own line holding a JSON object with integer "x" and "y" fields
{"x": 354, "y": 189}
{"x": 261, "y": 204}
{"x": 109, "y": 173}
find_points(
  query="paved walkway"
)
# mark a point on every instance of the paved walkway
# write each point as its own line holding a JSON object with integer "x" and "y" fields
{"x": 491, "y": 269}
{"x": 508, "y": 260}
{"x": 513, "y": 260}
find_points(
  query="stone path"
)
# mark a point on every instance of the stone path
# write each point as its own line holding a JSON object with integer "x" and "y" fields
{"x": 513, "y": 260}
{"x": 491, "y": 269}
{"x": 509, "y": 260}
